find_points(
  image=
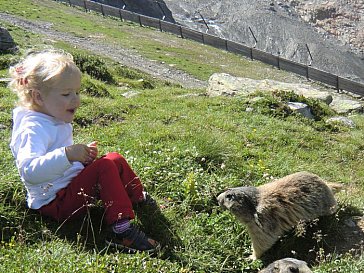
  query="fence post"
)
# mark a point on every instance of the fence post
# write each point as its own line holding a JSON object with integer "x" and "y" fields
{"x": 203, "y": 19}
{"x": 124, "y": 4}
{"x": 337, "y": 83}
{"x": 159, "y": 5}
{"x": 309, "y": 53}
{"x": 102, "y": 9}
{"x": 255, "y": 39}
{"x": 121, "y": 17}
{"x": 84, "y": 5}
{"x": 279, "y": 59}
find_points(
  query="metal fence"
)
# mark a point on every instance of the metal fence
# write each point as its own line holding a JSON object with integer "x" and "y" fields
{"x": 309, "y": 72}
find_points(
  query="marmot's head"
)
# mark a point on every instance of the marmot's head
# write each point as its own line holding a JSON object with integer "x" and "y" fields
{"x": 241, "y": 202}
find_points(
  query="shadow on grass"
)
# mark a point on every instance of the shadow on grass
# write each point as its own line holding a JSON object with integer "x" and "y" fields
{"x": 89, "y": 232}
{"x": 313, "y": 241}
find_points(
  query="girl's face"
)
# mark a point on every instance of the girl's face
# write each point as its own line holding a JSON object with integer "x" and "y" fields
{"x": 62, "y": 99}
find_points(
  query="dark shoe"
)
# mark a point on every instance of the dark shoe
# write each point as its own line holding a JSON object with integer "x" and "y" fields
{"x": 131, "y": 241}
{"x": 148, "y": 200}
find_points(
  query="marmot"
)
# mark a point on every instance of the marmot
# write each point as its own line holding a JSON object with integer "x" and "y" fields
{"x": 287, "y": 265}
{"x": 271, "y": 209}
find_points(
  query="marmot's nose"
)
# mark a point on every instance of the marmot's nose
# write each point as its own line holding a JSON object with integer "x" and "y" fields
{"x": 220, "y": 199}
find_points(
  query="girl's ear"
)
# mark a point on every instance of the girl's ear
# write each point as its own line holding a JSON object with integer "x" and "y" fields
{"x": 37, "y": 97}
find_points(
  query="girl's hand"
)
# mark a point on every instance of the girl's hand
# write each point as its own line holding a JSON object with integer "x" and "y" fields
{"x": 85, "y": 154}
{"x": 93, "y": 150}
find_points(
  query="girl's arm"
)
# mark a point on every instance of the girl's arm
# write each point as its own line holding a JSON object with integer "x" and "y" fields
{"x": 36, "y": 164}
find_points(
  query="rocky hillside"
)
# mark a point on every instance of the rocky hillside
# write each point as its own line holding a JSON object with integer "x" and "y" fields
{"x": 342, "y": 19}
{"x": 329, "y": 35}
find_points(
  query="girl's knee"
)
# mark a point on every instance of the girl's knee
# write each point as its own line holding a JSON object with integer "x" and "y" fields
{"x": 117, "y": 158}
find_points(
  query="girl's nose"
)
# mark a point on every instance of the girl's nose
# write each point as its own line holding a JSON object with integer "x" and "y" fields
{"x": 76, "y": 98}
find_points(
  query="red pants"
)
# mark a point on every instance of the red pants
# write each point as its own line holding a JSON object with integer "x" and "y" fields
{"x": 109, "y": 179}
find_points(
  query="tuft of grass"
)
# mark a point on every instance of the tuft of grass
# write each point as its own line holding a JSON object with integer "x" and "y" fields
{"x": 94, "y": 88}
{"x": 93, "y": 66}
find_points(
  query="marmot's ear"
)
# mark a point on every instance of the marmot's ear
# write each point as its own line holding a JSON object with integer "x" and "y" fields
{"x": 257, "y": 221}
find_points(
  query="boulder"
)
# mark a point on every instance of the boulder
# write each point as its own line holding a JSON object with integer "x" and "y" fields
{"x": 346, "y": 105}
{"x": 344, "y": 121}
{"x": 301, "y": 108}
{"x": 6, "y": 41}
{"x": 225, "y": 84}
{"x": 221, "y": 84}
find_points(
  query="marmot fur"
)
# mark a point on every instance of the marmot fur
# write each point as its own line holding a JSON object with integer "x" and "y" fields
{"x": 271, "y": 209}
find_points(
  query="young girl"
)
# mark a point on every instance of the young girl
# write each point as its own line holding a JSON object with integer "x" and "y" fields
{"x": 62, "y": 178}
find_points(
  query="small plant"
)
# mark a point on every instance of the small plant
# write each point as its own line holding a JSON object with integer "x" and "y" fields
{"x": 5, "y": 62}
{"x": 93, "y": 66}
{"x": 189, "y": 185}
{"x": 94, "y": 88}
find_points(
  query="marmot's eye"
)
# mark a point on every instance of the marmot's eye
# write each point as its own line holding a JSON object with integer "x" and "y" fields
{"x": 230, "y": 196}
{"x": 293, "y": 269}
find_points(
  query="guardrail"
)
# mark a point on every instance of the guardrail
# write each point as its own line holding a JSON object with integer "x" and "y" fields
{"x": 309, "y": 72}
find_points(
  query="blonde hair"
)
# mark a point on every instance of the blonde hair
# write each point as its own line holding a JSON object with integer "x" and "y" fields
{"x": 37, "y": 72}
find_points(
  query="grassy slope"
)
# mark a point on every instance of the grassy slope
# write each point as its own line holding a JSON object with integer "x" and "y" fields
{"x": 186, "y": 149}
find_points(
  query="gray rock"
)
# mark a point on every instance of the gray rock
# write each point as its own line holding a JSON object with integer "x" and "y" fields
{"x": 6, "y": 41}
{"x": 220, "y": 84}
{"x": 287, "y": 265}
{"x": 341, "y": 120}
{"x": 130, "y": 94}
{"x": 157, "y": 9}
{"x": 225, "y": 84}
{"x": 301, "y": 108}
{"x": 342, "y": 105}
{"x": 282, "y": 31}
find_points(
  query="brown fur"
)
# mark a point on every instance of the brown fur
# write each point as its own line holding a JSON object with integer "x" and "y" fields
{"x": 271, "y": 209}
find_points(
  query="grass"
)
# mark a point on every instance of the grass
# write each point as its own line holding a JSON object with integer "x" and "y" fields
{"x": 186, "y": 147}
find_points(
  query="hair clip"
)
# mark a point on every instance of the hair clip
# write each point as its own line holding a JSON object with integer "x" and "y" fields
{"x": 23, "y": 81}
{"x": 19, "y": 69}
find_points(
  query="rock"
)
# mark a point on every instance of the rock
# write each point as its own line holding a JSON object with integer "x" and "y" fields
{"x": 341, "y": 120}
{"x": 342, "y": 106}
{"x": 350, "y": 223}
{"x": 288, "y": 30}
{"x": 301, "y": 108}
{"x": 287, "y": 265}
{"x": 6, "y": 41}
{"x": 225, "y": 84}
{"x": 151, "y": 8}
{"x": 130, "y": 94}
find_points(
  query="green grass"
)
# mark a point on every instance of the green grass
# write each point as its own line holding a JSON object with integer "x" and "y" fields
{"x": 186, "y": 148}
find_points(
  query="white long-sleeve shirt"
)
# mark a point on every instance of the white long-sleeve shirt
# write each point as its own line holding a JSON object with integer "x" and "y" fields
{"x": 38, "y": 144}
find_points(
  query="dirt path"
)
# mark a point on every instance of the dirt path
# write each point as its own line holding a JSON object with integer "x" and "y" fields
{"x": 125, "y": 56}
